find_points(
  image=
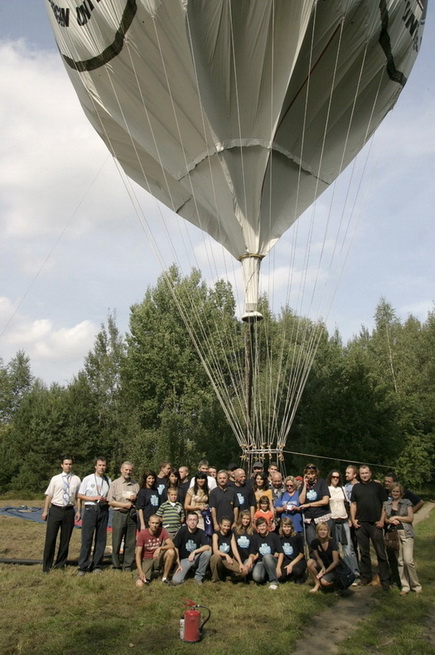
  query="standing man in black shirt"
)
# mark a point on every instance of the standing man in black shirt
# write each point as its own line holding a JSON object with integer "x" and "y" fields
{"x": 245, "y": 494}
{"x": 223, "y": 501}
{"x": 366, "y": 512}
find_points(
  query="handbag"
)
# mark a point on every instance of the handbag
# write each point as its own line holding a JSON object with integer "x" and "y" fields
{"x": 346, "y": 503}
{"x": 345, "y": 575}
{"x": 391, "y": 540}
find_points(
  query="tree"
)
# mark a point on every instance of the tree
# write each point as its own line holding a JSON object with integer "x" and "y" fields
{"x": 347, "y": 413}
{"x": 100, "y": 388}
{"x": 16, "y": 381}
{"x": 165, "y": 385}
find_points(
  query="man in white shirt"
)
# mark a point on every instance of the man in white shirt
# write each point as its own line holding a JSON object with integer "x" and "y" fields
{"x": 93, "y": 493}
{"x": 59, "y": 512}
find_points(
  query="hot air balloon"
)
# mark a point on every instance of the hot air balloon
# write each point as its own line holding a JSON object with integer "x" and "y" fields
{"x": 238, "y": 114}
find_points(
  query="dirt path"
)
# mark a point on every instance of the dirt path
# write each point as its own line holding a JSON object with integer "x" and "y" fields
{"x": 334, "y": 625}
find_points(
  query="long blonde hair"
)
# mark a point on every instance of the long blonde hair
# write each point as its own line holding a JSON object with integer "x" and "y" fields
{"x": 320, "y": 525}
{"x": 241, "y": 529}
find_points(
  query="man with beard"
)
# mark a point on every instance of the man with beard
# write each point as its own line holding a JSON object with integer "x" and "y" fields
{"x": 277, "y": 486}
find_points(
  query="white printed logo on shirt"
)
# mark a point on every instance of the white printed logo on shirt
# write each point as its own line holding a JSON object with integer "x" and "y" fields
{"x": 265, "y": 549}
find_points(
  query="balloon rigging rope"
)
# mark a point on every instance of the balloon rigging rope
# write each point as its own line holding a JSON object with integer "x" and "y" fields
{"x": 185, "y": 311}
{"x": 296, "y": 324}
{"x": 223, "y": 360}
{"x": 210, "y": 354}
{"x": 302, "y": 357}
{"x": 302, "y": 368}
{"x": 211, "y": 348}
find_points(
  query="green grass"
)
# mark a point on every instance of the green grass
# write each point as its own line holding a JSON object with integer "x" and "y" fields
{"x": 400, "y": 625}
{"x": 60, "y": 614}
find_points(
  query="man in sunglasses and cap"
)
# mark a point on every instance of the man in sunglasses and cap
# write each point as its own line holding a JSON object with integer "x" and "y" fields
{"x": 314, "y": 499}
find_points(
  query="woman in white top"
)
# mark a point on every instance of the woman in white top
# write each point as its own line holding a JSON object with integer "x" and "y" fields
{"x": 197, "y": 497}
{"x": 340, "y": 516}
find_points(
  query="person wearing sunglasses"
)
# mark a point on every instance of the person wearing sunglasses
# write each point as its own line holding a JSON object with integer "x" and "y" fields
{"x": 340, "y": 514}
{"x": 287, "y": 505}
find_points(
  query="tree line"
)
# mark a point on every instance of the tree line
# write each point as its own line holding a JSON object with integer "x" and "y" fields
{"x": 145, "y": 396}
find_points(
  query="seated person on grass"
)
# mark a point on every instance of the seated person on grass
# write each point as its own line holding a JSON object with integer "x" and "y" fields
{"x": 154, "y": 550}
{"x": 244, "y": 533}
{"x": 266, "y": 555}
{"x": 292, "y": 543}
{"x": 193, "y": 550}
{"x": 325, "y": 558}
{"x": 225, "y": 559}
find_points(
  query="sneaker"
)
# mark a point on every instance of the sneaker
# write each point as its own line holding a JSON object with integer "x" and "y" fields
{"x": 97, "y": 571}
{"x": 81, "y": 573}
{"x": 273, "y": 586}
{"x": 197, "y": 581}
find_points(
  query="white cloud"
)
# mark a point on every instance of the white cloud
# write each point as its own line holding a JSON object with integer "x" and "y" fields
{"x": 418, "y": 309}
{"x": 58, "y": 350}
{"x": 48, "y": 148}
{"x": 64, "y": 343}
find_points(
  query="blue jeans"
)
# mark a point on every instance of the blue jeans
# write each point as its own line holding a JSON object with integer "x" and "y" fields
{"x": 348, "y": 549}
{"x": 266, "y": 569}
{"x": 200, "y": 564}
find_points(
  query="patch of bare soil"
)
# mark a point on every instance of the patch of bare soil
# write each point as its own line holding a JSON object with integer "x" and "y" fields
{"x": 334, "y": 625}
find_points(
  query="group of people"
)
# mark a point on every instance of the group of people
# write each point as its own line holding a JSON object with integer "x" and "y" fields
{"x": 266, "y": 528}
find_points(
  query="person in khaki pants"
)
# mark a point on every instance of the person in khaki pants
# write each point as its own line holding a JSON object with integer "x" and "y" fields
{"x": 122, "y": 496}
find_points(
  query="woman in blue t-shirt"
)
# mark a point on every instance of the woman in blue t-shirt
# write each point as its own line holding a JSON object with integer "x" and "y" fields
{"x": 287, "y": 505}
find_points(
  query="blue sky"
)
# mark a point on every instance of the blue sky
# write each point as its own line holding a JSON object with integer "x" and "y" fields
{"x": 72, "y": 249}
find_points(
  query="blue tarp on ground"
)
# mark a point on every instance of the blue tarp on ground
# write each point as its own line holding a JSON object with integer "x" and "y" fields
{"x": 23, "y": 512}
{"x": 35, "y": 514}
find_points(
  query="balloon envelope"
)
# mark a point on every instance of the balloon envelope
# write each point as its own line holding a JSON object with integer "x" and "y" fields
{"x": 237, "y": 115}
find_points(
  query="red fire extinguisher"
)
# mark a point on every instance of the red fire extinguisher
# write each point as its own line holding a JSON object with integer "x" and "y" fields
{"x": 190, "y": 622}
